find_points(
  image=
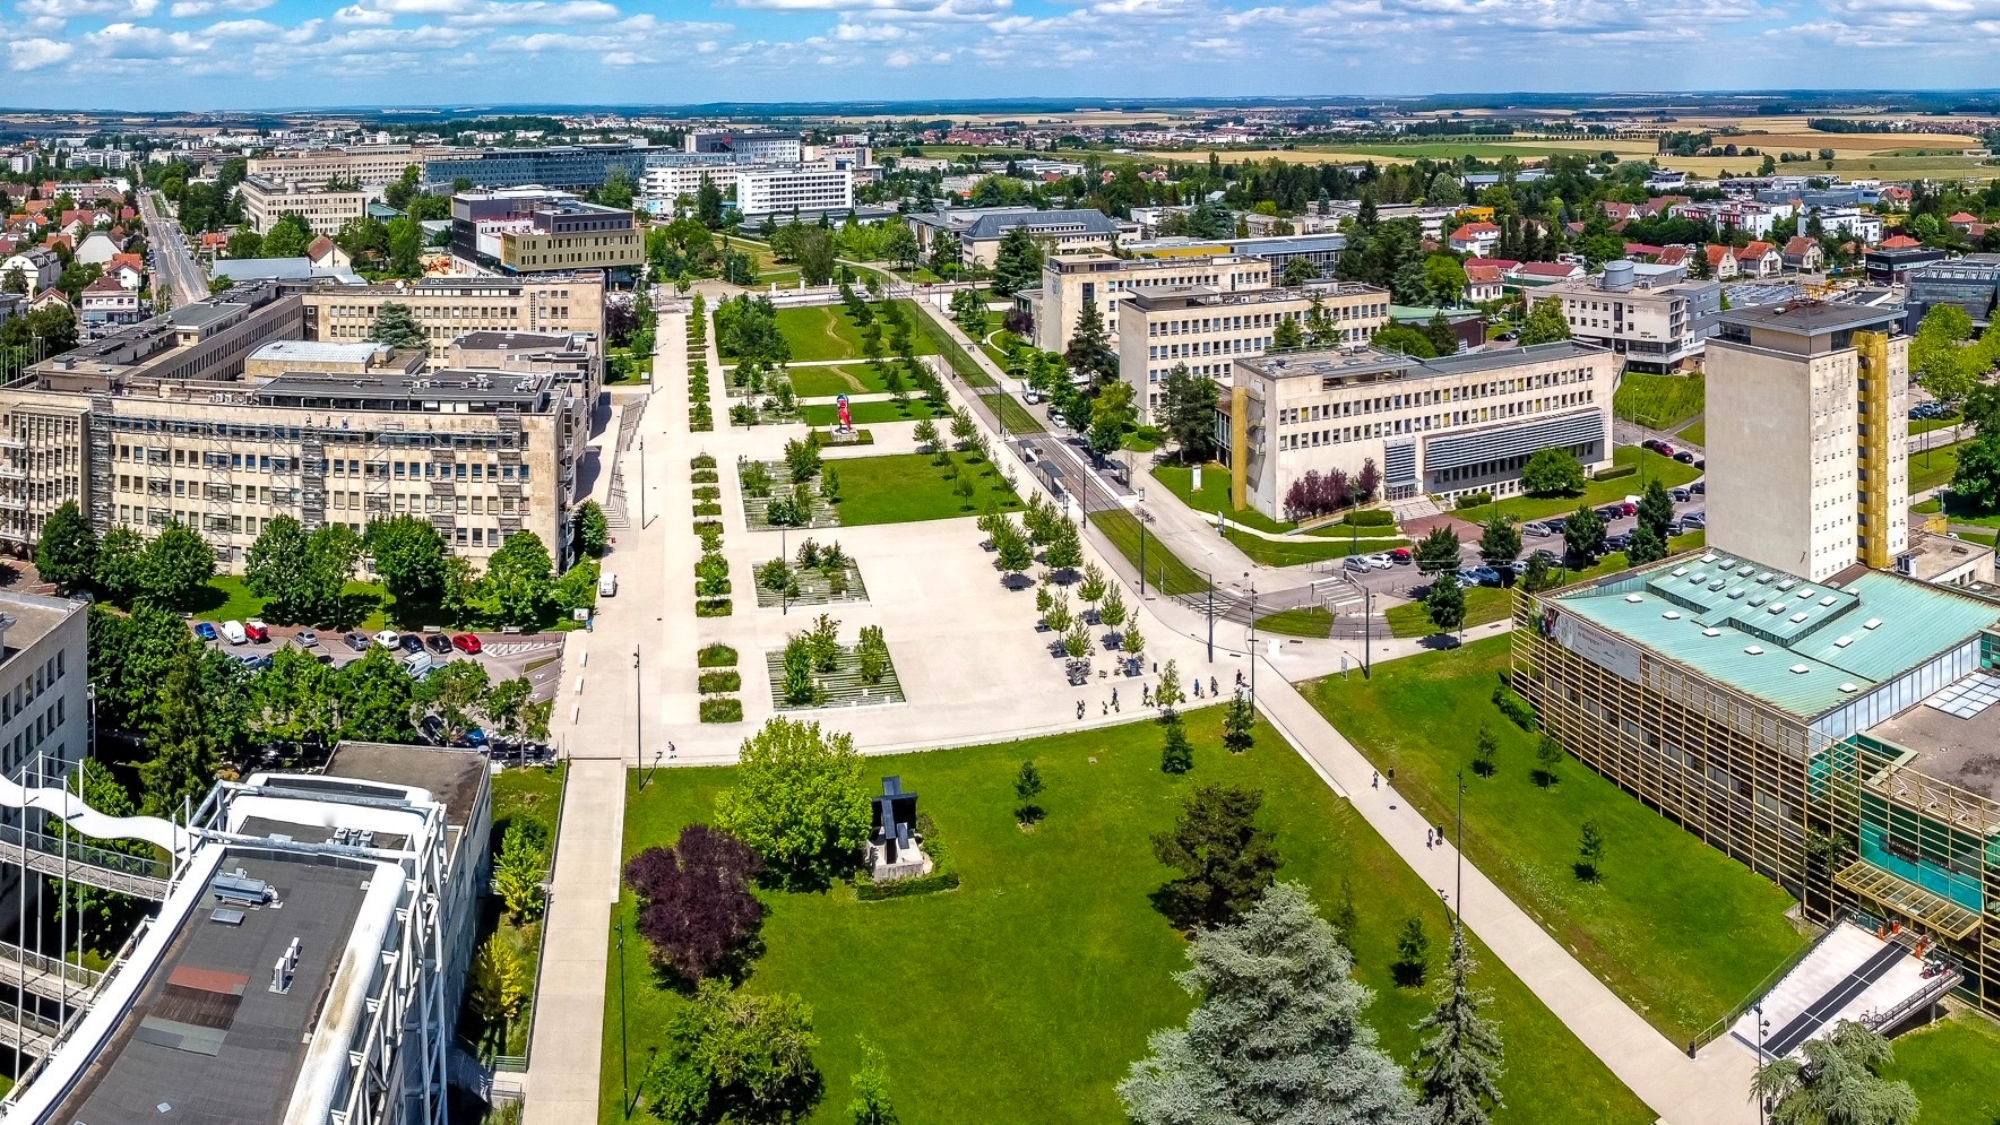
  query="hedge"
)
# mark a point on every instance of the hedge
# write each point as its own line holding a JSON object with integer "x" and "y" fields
{"x": 707, "y": 492}
{"x": 702, "y": 461}
{"x": 717, "y": 655}
{"x": 705, "y": 476}
{"x": 708, "y": 509}
{"x": 1615, "y": 472}
{"x": 1474, "y": 500}
{"x": 725, "y": 710}
{"x": 712, "y": 607}
{"x": 713, "y": 683}
{"x": 1371, "y": 517}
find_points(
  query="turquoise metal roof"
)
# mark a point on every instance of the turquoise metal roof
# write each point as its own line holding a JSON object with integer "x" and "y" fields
{"x": 1803, "y": 647}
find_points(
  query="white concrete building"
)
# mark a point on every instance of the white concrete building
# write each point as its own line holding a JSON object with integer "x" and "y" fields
{"x": 1808, "y": 437}
{"x": 267, "y": 201}
{"x": 1068, "y": 280}
{"x": 1657, "y": 329}
{"x": 669, "y": 176}
{"x": 803, "y": 188}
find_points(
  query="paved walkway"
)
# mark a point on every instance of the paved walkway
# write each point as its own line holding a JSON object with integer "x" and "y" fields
{"x": 1709, "y": 1090}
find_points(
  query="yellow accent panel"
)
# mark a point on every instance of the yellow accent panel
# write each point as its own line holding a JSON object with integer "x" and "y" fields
{"x": 1872, "y": 348}
{"x": 1239, "y": 447}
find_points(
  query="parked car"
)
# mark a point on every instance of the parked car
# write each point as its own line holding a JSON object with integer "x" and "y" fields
{"x": 418, "y": 663}
{"x": 1664, "y": 450}
{"x": 1611, "y": 511}
{"x": 306, "y": 638}
{"x": 467, "y": 643}
{"x": 1536, "y": 529}
{"x": 232, "y": 631}
{"x": 1684, "y": 457}
{"x": 1556, "y": 525}
{"x": 411, "y": 643}
{"x": 1356, "y": 563}
{"x": 1675, "y": 527}
{"x": 1699, "y": 488}
{"x": 439, "y": 643}
{"x": 1380, "y": 560}
{"x": 357, "y": 641}
{"x": 388, "y": 638}
{"x": 1400, "y": 556}
{"x": 1695, "y": 521}
{"x": 1618, "y": 542}
{"x": 204, "y": 631}
{"x": 1484, "y": 576}
{"x": 1056, "y": 419}
{"x": 1031, "y": 396}
{"x": 1653, "y": 444}
{"x": 257, "y": 631}
{"x": 607, "y": 585}
{"x": 1681, "y": 495}
{"x": 1701, "y": 463}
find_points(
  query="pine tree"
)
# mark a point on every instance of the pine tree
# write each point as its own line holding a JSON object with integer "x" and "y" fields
{"x": 397, "y": 326}
{"x": 1238, "y": 719}
{"x": 1459, "y": 1060}
{"x": 1176, "y": 754}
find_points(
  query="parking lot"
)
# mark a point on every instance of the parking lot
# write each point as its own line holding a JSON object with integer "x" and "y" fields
{"x": 505, "y": 655}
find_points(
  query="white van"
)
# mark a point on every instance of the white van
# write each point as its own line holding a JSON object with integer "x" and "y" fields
{"x": 417, "y": 664}
{"x": 607, "y": 585}
{"x": 232, "y": 631}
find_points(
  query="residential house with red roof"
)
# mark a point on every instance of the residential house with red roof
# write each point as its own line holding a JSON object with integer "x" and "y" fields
{"x": 1484, "y": 283}
{"x": 1504, "y": 265}
{"x": 128, "y": 269}
{"x": 1721, "y": 262}
{"x": 1759, "y": 259}
{"x": 1899, "y": 242}
{"x": 1804, "y": 254}
{"x": 1548, "y": 273}
{"x": 1674, "y": 256}
{"x": 106, "y": 304}
{"x": 1962, "y": 220}
{"x": 1477, "y": 239}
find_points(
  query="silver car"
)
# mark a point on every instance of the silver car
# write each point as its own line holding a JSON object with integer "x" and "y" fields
{"x": 1380, "y": 560}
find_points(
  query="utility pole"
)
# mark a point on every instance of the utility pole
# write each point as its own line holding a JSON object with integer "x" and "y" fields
{"x": 1145, "y": 517}
{"x": 1253, "y": 636}
{"x": 624, "y": 1050}
{"x": 642, "y": 482}
{"x": 1211, "y": 617}
{"x": 1458, "y": 895}
{"x": 638, "y": 707}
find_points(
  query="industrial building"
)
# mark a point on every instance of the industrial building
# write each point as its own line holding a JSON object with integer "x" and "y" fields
{"x": 1449, "y": 426}
{"x": 518, "y": 231}
{"x": 1837, "y": 735}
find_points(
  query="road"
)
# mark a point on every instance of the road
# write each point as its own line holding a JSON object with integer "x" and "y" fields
{"x": 172, "y": 262}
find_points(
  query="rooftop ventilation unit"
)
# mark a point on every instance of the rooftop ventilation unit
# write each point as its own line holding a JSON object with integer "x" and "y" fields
{"x": 1672, "y": 615}
{"x": 1777, "y": 608}
{"x": 1843, "y": 642}
{"x": 1872, "y": 623}
{"x": 1765, "y": 578}
{"x": 1711, "y": 632}
{"x": 1827, "y": 600}
{"x": 1635, "y": 599}
{"x": 1800, "y": 669}
{"x": 1680, "y": 570}
{"x": 1849, "y": 687}
{"x": 1736, "y": 592}
{"x": 1759, "y": 600}
{"x": 1798, "y": 617}
{"x": 1755, "y": 650}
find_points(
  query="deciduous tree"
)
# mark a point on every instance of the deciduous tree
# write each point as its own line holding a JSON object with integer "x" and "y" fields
{"x": 66, "y": 553}
{"x": 799, "y": 801}
{"x": 737, "y": 1057}
{"x": 695, "y": 905}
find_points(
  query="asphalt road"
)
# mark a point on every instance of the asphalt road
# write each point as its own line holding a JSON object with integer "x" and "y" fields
{"x": 172, "y": 260}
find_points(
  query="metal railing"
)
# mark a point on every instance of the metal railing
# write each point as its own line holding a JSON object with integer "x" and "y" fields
{"x": 144, "y": 876}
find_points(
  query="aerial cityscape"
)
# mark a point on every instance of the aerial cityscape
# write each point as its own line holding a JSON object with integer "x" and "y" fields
{"x": 404, "y": 502}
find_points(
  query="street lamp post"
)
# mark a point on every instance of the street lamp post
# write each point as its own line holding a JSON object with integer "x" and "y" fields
{"x": 638, "y": 707}
{"x": 1763, "y": 1025}
{"x": 624, "y": 1050}
{"x": 1211, "y": 615}
{"x": 642, "y": 483}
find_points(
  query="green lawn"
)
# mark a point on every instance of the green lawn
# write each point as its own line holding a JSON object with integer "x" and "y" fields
{"x": 1926, "y": 425}
{"x": 1214, "y": 494}
{"x": 1694, "y": 434}
{"x": 1678, "y": 929}
{"x": 533, "y": 794}
{"x": 1483, "y": 605}
{"x": 1307, "y": 621}
{"x": 1014, "y": 416}
{"x": 1651, "y": 466}
{"x": 1940, "y": 1062}
{"x": 866, "y": 413}
{"x": 1658, "y": 402}
{"x": 899, "y": 488}
{"x": 1933, "y": 468}
{"x": 1957, "y": 513}
{"x": 826, "y": 332}
{"x": 1024, "y": 995}
{"x": 1308, "y": 549}
{"x": 836, "y": 379}
{"x": 229, "y": 599}
{"x": 1163, "y": 568}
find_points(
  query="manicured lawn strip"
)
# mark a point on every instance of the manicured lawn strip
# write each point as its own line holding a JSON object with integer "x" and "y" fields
{"x": 229, "y": 599}
{"x": 865, "y": 413}
{"x": 1214, "y": 494}
{"x": 1658, "y": 402}
{"x": 1483, "y": 606}
{"x": 1694, "y": 434}
{"x": 1306, "y": 549}
{"x": 900, "y": 488}
{"x": 825, "y": 332}
{"x": 1651, "y": 466}
{"x": 1940, "y": 1062}
{"x": 1017, "y": 418}
{"x": 938, "y": 339}
{"x": 1162, "y": 566}
{"x": 1675, "y": 927}
{"x": 836, "y": 379}
{"x": 1040, "y": 978}
{"x": 1307, "y": 621}
{"x": 1933, "y": 468}
{"x": 1926, "y": 425}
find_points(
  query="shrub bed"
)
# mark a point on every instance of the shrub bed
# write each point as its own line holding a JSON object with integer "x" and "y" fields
{"x": 712, "y": 607}
{"x": 705, "y": 476}
{"x": 707, "y": 492}
{"x": 715, "y": 683}
{"x": 708, "y": 509}
{"x": 702, "y": 461}
{"x": 1474, "y": 500}
{"x": 1371, "y": 517}
{"x": 726, "y": 710}
{"x": 1616, "y": 471}
{"x": 717, "y": 655}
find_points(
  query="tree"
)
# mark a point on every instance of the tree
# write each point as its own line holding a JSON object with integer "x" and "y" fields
{"x": 1017, "y": 263}
{"x": 799, "y": 801}
{"x": 1011, "y": 548}
{"x": 1112, "y": 611}
{"x": 1445, "y": 604}
{"x": 1277, "y": 1033}
{"x": 1583, "y": 534}
{"x": 374, "y": 694}
{"x": 899, "y": 245}
{"x": 1459, "y": 1061}
{"x": 695, "y": 904}
{"x": 1187, "y": 412}
{"x": 521, "y": 866}
{"x": 1225, "y": 861}
{"x": 871, "y": 1083}
{"x": 1065, "y": 548}
{"x": 408, "y": 554}
{"x": 1839, "y": 1082}
{"x": 1176, "y": 753}
{"x": 1404, "y": 340}
{"x": 1028, "y": 786}
{"x": 1548, "y": 755}
{"x": 104, "y": 917}
{"x": 1499, "y": 539}
{"x": 178, "y": 562}
{"x": 593, "y": 531}
{"x": 1545, "y": 324}
{"x": 1644, "y": 546}
{"x": 302, "y": 575}
{"x": 183, "y": 748}
{"x": 288, "y": 237}
{"x": 396, "y": 326}
{"x": 1438, "y": 550}
{"x": 926, "y": 434}
{"x": 1287, "y": 336}
{"x": 276, "y": 565}
{"x": 406, "y": 247}
{"x": 1975, "y": 483}
{"x": 1298, "y": 271}
{"x": 516, "y": 589}
{"x": 1656, "y": 510}
{"x": 292, "y": 701}
{"x": 1169, "y": 694}
{"x": 1444, "y": 276}
{"x": 1090, "y": 353}
{"x": 1485, "y": 745}
{"x": 738, "y": 1057}
{"x": 66, "y": 553}
{"x": 1535, "y": 577}
{"x": 1239, "y": 720}
{"x": 1552, "y": 472}
{"x": 1110, "y": 414}
{"x": 499, "y": 985}
{"x": 1413, "y": 952}
{"x": 1590, "y": 846}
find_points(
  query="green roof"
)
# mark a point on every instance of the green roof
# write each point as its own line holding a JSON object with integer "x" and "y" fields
{"x": 1803, "y": 647}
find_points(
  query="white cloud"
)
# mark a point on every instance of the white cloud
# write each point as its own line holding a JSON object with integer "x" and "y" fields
{"x": 625, "y": 58}
{"x": 188, "y": 9}
{"x": 143, "y": 41}
{"x": 535, "y": 12}
{"x": 359, "y": 16}
{"x": 34, "y": 54}
{"x": 67, "y": 9}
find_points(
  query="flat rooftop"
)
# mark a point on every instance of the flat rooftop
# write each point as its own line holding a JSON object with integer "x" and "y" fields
{"x": 317, "y": 351}
{"x": 1809, "y": 317}
{"x": 452, "y": 776}
{"x": 30, "y": 617}
{"x": 1955, "y": 734}
{"x": 512, "y": 390}
{"x": 1802, "y": 647}
{"x": 1333, "y": 363}
{"x": 513, "y": 341}
{"x": 205, "y": 1039}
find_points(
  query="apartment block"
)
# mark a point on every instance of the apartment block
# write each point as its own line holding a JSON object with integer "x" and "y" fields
{"x": 750, "y": 146}
{"x": 450, "y": 307}
{"x": 1807, "y": 441}
{"x": 1208, "y": 329}
{"x": 1657, "y": 328}
{"x": 1449, "y": 426}
{"x": 781, "y": 190}
{"x": 1068, "y": 280}
{"x": 672, "y": 175}
{"x": 371, "y": 166}
{"x": 530, "y": 230}
{"x": 267, "y": 201}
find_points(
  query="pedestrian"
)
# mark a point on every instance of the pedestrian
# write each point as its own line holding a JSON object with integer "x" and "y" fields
{"x": 1079, "y": 710}
{"x": 1114, "y": 699}
{"x": 671, "y": 752}
{"x": 1197, "y": 689}
{"x": 1213, "y": 690}
{"x": 1103, "y": 708}
{"x": 1427, "y": 839}
{"x": 1374, "y": 780}
{"x": 1239, "y": 677}
{"x": 1145, "y": 695}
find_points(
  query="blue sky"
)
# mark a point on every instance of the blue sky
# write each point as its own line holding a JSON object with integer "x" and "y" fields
{"x": 207, "y": 54}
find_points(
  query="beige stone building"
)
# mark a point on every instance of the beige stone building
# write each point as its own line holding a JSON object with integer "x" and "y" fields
{"x": 267, "y": 201}
{"x": 1808, "y": 437}
{"x": 368, "y": 165}
{"x": 450, "y": 307}
{"x": 1068, "y": 280}
{"x": 1658, "y": 329}
{"x": 1448, "y": 426}
{"x": 1208, "y": 329}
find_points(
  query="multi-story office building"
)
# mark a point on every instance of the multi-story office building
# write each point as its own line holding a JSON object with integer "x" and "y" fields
{"x": 804, "y": 188}
{"x": 1448, "y": 426}
{"x": 1209, "y": 329}
{"x": 1972, "y": 283}
{"x": 1835, "y": 737}
{"x": 1068, "y": 280}
{"x": 671, "y": 175}
{"x": 980, "y": 229}
{"x": 44, "y": 698}
{"x": 1807, "y": 440}
{"x": 1321, "y": 251}
{"x": 371, "y": 166}
{"x": 572, "y": 357}
{"x": 572, "y": 167}
{"x": 267, "y": 201}
{"x": 450, "y": 307}
{"x": 748, "y": 146}
{"x": 1658, "y": 329}
{"x": 529, "y": 230}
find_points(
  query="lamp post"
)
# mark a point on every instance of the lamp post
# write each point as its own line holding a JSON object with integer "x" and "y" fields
{"x": 1253, "y": 636}
{"x": 642, "y": 482}
{"x": 1763, "y": 1025}
{"x": 638, "y": 708}
{"x": 1145, "y": 517}
{"x": 1211, "y": 615}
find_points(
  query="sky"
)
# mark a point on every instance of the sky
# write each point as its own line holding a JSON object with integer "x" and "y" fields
{"x": 249, "y": 54}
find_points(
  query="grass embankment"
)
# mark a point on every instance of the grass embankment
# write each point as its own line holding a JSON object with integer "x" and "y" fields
{"x": 1940, "y": 1062}
{"x": 904, "y": 487}
{"x": 1658, "y": 402}
{"x": 533, "y": 794}
{"x": 1649, "y": 465}
{"x": 818, "y": 332}
{"x": 1164, "y": 569}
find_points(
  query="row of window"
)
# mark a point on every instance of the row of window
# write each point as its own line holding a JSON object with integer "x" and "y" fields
{"x": 1381, "y": 404}
{"x": 24, "y": 693}
{"x": 1424, "y": 423}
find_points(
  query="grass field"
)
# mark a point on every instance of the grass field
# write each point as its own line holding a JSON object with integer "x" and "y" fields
{"x": 870, "y": 413}
{"x": 1017, "y": 418}
{"x": 229, "y": 599}
{"x": 1694, "y": 434}
{"x": 1678, "y": 929}
{"x": 1651, "y": 466}
{"x": 1483, "y": 606}
{"x": 1957, "y": 513}
{"x": 1163, "y": 568}
{"x": 1306, "y": 621}
{"x": 1308, "y": 549}
{"x": 1658, "y": 402}
{"x": 825, "y": 332}
{"x": 1214, "y": 494}
{"x": 1926, "y": 425}
{"x": 1933, "y": 468}
{"x": 1939, "y": 1061}
{"x": 904, "y": 487}
{"x": 835, "y": 379}
{"x": 1026, "y": 994}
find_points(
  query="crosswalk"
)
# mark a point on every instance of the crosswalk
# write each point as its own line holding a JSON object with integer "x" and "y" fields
{"x": 518, "y": 648}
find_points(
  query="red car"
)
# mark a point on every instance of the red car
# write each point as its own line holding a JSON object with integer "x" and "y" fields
{"x": 1400, "y": 555}
{"x": 256, "y": 631}
{"x": 467, "y": 643}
